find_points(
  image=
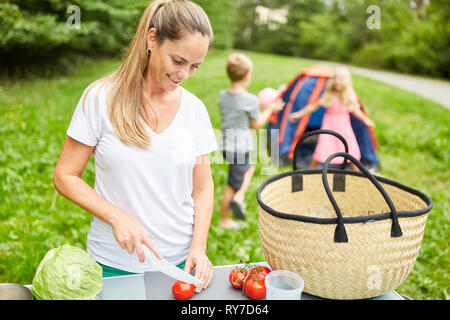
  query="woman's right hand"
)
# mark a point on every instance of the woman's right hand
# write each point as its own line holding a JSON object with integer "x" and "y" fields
{"x": 130, "y": 236}
{"x": 67, "y": 180}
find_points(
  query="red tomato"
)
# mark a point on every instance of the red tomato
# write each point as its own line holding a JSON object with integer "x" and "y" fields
{"x": 182, "y": 290}
{"x": 260, "y": 272}
{"x": 255, "y": 288}
{"x": 237, "y": 277}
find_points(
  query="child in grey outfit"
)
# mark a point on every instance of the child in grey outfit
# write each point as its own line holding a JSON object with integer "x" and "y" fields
{"x": 241, "y": 114}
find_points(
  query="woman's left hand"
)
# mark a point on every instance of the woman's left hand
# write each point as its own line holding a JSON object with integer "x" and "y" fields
{"x": 203, "y": 267}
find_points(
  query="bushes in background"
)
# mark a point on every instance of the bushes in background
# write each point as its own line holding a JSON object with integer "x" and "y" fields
{"x": 39, "y": 36}
{"x": 413, "y": 36}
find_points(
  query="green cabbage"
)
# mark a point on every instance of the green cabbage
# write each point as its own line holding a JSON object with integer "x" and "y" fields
{"x": 67, "y": 273}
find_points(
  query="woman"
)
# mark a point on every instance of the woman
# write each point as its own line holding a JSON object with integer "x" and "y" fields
{"x": 151, "y": 139}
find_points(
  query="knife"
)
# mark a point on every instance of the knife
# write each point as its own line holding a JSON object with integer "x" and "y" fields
{"x": 168, "y": 268}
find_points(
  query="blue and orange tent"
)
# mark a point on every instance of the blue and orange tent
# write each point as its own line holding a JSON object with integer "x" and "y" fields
{"x": 304, "y": 89}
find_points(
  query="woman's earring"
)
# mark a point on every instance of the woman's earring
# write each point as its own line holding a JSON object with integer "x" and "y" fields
{"x": 149, "y": 51}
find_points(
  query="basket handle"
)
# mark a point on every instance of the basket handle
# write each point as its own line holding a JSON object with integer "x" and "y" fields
{"x": 316, "y": 132}
{"x": 340, "y": 235}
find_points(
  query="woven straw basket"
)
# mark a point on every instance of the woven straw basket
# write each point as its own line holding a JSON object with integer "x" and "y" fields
{"x": 358, "y": 241}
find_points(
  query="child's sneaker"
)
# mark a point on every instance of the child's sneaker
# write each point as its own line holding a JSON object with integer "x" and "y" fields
{"x": 238, "y": 210}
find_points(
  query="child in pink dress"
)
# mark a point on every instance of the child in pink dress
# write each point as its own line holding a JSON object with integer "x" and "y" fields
{"x": 339, "y": 99}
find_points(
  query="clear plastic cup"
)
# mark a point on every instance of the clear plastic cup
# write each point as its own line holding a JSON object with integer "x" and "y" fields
{"x": 283, "y": 285}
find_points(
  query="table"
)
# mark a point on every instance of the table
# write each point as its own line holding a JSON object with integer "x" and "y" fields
{"x": 158, "y": 286}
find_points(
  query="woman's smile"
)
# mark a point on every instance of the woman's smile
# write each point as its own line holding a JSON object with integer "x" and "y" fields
{"x": 176, "y": 82}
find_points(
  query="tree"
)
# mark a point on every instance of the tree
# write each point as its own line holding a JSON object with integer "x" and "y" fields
{"x": 36, "y": 34}
{"x": 222, "y": 16}
{"x": 412, "y": 37}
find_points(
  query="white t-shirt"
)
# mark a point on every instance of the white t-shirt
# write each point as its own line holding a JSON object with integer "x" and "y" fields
{"x": 153, "y": 186}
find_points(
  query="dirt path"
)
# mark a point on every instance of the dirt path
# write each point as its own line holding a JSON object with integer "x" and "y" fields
{"x": 434, "y": 90}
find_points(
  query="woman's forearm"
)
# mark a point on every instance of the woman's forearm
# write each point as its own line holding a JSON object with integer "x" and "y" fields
{"x": 77, "y": 190}
{"x": 203, "y": 196}
{"x": 203, "y": 208}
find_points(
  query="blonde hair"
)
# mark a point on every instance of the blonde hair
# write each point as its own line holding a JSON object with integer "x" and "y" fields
{"x": 238, "y": 66}
{"x": 347, "y": 95}
{"x": 172, "y": 19}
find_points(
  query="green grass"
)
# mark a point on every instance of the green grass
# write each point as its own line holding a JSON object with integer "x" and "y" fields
{"x": 34, "y": 115}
